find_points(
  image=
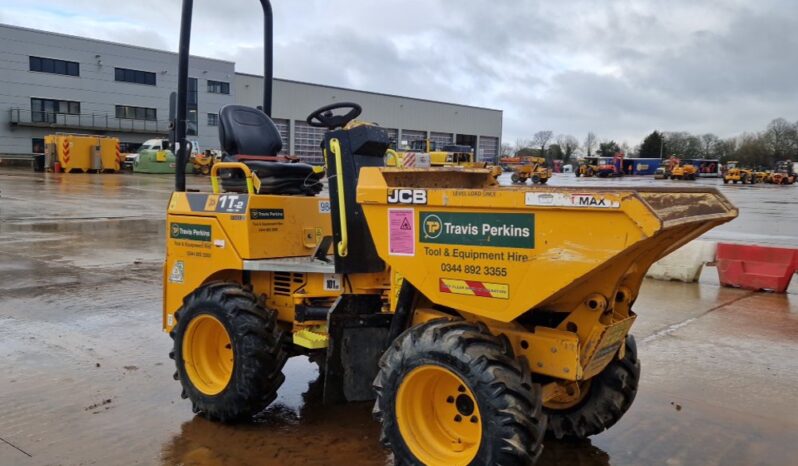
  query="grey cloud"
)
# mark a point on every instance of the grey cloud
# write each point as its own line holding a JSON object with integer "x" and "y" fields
{"x": 619, "y": 68}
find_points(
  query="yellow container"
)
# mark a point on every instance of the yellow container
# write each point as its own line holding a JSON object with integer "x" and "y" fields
{"x": 75, "y": 152}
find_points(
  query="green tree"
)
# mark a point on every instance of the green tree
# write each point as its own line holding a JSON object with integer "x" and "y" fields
{"x": 652, "y": 146}
{"x": 555, "y": 152}
{"x": 607, "y": 149}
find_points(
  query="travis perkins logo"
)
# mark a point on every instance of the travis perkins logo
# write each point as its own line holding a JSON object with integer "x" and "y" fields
{"x": 496, "y": 230}
{"x": 190, "y": 231}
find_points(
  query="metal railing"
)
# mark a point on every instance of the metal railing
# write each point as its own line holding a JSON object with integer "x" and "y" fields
{"x": 94, "y": 121}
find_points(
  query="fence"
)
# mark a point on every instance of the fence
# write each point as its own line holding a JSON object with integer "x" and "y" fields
{"x": 89, "y": 121}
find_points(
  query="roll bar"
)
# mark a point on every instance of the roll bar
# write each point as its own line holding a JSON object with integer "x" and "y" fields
{"x": 182, "y": 81}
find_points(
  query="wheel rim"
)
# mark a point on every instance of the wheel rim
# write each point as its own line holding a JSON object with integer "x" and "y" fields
{"x": 208, "y": 354}
{"x": 438, "y": 416}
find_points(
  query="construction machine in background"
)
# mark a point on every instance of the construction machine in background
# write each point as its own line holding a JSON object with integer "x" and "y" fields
{"x": 531, "y": 168}
{"x": 438, "y": 155}
{"x": 587, "y": 167}
{"x": 478, "y": 317}
{"x": 734, "y": 173}
{"x": 784, "y": 173}
{"x": 676, "y": 170}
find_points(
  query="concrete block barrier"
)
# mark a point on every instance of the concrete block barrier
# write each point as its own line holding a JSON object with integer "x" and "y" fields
{"x": 685, "y": 263}
{"x": 756, "y": 267}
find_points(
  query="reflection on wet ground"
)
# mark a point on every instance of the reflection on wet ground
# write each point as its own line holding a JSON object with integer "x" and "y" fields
{"x": 296, "y": 429}
{"x": 299, "y": 429}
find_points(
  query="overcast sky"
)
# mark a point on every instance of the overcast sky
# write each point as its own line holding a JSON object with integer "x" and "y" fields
{"x": 618, "y": 68}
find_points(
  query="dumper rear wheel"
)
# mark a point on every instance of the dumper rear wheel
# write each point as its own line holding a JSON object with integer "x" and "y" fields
{"x": 450, "y": 393}
{"x": 229, "y": 352}
{"x": 606, "y": 398}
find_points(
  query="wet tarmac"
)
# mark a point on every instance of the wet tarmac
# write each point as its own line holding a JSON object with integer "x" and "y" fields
{"x": 86, "y": 378}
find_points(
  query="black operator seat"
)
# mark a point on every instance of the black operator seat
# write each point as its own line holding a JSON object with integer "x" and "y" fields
{"x": 249, "y": 136}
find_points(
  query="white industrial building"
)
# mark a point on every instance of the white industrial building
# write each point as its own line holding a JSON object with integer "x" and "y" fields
{"x": 51, "y": 82}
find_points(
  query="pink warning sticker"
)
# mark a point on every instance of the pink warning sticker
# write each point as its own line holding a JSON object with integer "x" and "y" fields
{"x": 401, "y": 232}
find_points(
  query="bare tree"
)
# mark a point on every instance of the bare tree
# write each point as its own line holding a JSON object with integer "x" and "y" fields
{"x": 568, "y": 144}
{"x": 708, "y": 142}
{"x": 541, "y": 139}
{"x": 780, "y": 137}
{"x": 590, "y": 142}
{"x": 507, "y": 150}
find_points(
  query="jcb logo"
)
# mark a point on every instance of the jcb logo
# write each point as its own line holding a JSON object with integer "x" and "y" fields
{"x": 407, "y": 196}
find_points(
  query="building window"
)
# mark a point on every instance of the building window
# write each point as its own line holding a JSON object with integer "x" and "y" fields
{"x": 45, "y": 110}
{"x": 51, "y": 65}
{"x": 307, "y": 142}
{"x": 134, "y": 76}
{"x": 409, "y": 135}
{"x": 136, "y": 113}
{"x": 38, "y": 145}
{"x": 441, "y": 139}
{"x": 218, "y": 87}
{"x": 213, "y": 119}
{"x": 393, "y": 135}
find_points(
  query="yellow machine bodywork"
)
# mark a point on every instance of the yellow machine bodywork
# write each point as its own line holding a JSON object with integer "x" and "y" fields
{"x": 534, "y": 168}
{"x": 684, "y": 172}
{"x": 77, "y": 152}
{"x": 736, "y": 174}
{"x": 488, "y": 253}
{"x": 496, "y": 253}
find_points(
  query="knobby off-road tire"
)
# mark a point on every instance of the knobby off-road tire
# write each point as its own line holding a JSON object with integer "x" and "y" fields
{"x": 505, "y": 406}
{"x": 609, "y": 396}
{"x": 239, "y": 383}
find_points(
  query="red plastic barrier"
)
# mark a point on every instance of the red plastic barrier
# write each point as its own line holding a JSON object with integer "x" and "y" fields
{"x": 756, "y": 267}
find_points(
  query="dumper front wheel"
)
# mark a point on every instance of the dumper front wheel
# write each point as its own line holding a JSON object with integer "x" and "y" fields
{"x": 229, "y": 352}
{"x": 604, "y": 399}
{"x": 450, "y": 393}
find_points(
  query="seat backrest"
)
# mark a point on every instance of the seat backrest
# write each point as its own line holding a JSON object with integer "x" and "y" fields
{"x": 248, "y": 131}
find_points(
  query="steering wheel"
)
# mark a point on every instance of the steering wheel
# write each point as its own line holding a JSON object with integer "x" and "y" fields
{"x": 324, "y": 118}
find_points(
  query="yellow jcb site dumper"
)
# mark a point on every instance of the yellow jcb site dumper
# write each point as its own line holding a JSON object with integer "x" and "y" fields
{"x": 478, "y": 317}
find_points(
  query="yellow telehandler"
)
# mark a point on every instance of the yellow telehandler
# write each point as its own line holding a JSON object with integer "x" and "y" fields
{"x": 478, "y": 317}
{"x": 531, "y": 168}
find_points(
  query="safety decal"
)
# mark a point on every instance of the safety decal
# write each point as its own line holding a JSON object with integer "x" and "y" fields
{"x": 474, "y": 288}
{"x": 401, "y": 232}
{"x": 178, "y": 271}
{"x": 570, "y": 200}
